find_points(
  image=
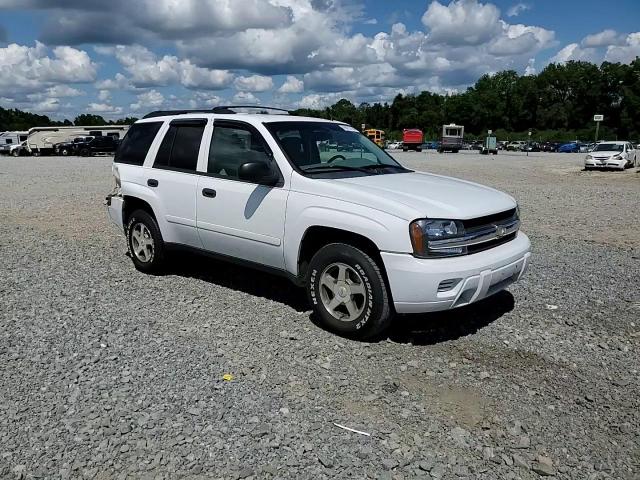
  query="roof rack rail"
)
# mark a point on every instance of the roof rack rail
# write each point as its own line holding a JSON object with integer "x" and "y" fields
{"x": 164, "y": 113}
{"x": 226, "y": 109}
{"x": 229, "y": 108}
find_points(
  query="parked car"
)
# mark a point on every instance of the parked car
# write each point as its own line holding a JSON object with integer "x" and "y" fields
{"x": 365, "y": 236}
{"x": 531, "y": 147}
{"x": 572, "y": 147}
{"x": 618, "y": 155}
{"x": 106, "y": 144}
{"x": 70, "y": 147}
{"x": 431, "y": 145}
{"x": 516, "y": 146}
{"x": 394, "y": 145}
{"x": 549, "y": 147}
{"x": 17, "y": 150}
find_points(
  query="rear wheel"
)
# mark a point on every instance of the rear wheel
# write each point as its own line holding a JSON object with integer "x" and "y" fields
{"x": 15, "y": 153}
{"x": 146, "y": 246}
{"x": 85, "y": 152}
{"x": 348, "y": 292}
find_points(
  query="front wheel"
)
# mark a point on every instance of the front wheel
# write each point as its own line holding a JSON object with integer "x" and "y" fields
{"x": 146, "y": 246}
{"x": 348, "y": 292}
{"x": 15, "y": 153}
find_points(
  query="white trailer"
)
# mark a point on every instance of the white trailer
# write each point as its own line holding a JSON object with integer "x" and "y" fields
{"x": 42, "y": 140}
{"x": 10, "y": 139}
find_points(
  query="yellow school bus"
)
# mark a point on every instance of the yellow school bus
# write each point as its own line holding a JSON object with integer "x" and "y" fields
{"x": 376, "y": 136}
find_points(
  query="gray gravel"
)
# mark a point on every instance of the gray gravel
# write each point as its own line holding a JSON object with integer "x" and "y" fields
{"x": 109, "y": 373}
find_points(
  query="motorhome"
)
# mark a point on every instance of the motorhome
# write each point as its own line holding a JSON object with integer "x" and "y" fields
{"x": 42, "y": 140}
{"x": 10, "y": 139}
{"x": 452, "y": 138}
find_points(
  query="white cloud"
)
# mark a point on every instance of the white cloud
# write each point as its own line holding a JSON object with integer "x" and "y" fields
{"x": 603, "y": 39}
{"x": 531, "y": 67}
{"x": 573, "y": 51}
{"x": 104, "y": 95}
{"x": 517, "y": 9}
{"x": 31, "y": 69}
{"x": 245, "y": 98}
{"x": 150, "y": 99}
{"x": 462, "y": 22}
{"x": 292, "y": 85}
{"x": 254, "y": 83}
{"x": 147, "y": 70}
{"x": 627, "y": 52}
{"x": 104, "y": 108}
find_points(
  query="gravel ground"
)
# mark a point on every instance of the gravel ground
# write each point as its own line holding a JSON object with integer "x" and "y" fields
{"x": 109, "y": 373}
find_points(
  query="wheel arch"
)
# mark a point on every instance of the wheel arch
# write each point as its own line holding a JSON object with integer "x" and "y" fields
{"x": 318, "y": 236}
{"x": 131, "y": 204}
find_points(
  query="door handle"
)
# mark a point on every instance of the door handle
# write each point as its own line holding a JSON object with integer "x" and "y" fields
{"x": 152, "y": 182}
{"x": 209, "y": 192}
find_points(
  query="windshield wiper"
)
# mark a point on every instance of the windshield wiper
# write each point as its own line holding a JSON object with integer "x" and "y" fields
{"x": 337, "y": 168}
{"x": 382, "y": 165}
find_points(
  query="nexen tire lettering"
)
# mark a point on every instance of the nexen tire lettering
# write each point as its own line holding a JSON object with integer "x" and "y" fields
{"x": 312, "y": 287}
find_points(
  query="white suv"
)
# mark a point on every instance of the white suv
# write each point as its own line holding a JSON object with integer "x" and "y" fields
{"x": 365, "y": 236}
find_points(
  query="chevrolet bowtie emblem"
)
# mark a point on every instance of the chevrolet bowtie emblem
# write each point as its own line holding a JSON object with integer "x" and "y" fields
{"x": 500, "y": 231}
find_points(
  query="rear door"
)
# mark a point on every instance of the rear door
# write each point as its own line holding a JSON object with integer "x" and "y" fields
{"x": 174, "y": 178}
{"x": 238, "y": 218}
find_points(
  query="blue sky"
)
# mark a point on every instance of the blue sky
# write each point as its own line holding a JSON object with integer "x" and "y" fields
{"x": 124, "y": 57}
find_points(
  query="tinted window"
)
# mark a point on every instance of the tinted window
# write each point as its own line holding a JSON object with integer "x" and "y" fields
{"x": 136, "y": 143}
{"x": 8, "y": 141}
{"x": 180, "y": 147}
{"x": 231, "y": 146}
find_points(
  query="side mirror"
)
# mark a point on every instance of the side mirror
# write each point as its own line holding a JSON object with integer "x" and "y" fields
{"x": 258, "y": 172}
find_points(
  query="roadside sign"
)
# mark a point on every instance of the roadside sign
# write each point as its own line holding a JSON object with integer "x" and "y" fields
{"x": 363, "y": 127}
{"x": 598, "y": 118}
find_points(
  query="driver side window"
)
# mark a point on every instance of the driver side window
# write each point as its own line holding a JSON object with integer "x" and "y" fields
{"x": 231, "y": 146}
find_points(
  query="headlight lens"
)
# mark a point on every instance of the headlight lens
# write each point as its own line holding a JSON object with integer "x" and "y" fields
{"x": 617, "y": 157}
{"x": 589, "y": 157}
{"x": 422, "y": 231}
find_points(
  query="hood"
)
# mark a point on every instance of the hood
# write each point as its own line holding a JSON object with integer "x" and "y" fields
{"x": 418, "y": 195}
{"x": 604, "y": 154}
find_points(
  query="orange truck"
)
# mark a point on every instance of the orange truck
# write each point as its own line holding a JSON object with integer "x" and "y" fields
{"x": 412, "y": 139}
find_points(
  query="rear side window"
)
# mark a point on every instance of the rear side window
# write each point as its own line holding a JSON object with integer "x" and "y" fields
{"x": 180, "y": 146}
{"x": 135, "y": 145}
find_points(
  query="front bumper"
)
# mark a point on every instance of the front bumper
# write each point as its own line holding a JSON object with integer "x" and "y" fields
{"x": 415, "y": 282}
{"x": 607, "y": 163}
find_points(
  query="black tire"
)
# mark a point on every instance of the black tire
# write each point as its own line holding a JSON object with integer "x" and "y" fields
{"x": 85, "y": 152}
{"x": 418, "y": 149}
{"x": 156, "y": 260}
{"x": 15, "y": 153}
{"x": 376, "y": 312}
{"x": 64, "y": 152}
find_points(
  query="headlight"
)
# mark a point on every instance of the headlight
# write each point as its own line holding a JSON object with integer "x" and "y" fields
{"x": 617, "y": 157}
{"x": 589, "y": 157}
{"x": 424, "y": 231}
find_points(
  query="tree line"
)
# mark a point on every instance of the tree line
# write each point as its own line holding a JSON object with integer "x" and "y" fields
{"x": 556, "y": 104}
{"x": 17, "y": 120}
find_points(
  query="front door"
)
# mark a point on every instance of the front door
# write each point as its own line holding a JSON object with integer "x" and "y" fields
{"x": 237, "y": 218}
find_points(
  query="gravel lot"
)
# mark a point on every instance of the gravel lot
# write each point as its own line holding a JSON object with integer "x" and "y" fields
{"x": 108, "y": 373}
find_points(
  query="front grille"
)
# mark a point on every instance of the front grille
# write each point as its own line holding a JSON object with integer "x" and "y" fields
{"x": 490, "y": 244}
{"x": 487, "y": 220}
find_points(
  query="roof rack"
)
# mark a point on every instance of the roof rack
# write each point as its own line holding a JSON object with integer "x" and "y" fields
{"x": 262, "y": 108}
{"x": 226, "y": 109}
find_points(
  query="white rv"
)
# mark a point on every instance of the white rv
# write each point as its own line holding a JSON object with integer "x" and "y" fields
{"x": 11, "y": 139}
{"x": 42, "y": 140}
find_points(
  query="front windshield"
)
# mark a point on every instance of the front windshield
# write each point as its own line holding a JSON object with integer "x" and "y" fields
{"x": 608, "y": 147}
{"x": 320, "y": 146}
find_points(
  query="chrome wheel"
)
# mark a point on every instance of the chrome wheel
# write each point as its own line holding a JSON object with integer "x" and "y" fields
{"x": 142, "y": 242}
{"x": 342, "y": 292}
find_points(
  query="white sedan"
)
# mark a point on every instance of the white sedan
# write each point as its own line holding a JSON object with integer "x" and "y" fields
{"x": 618, "y": 155}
